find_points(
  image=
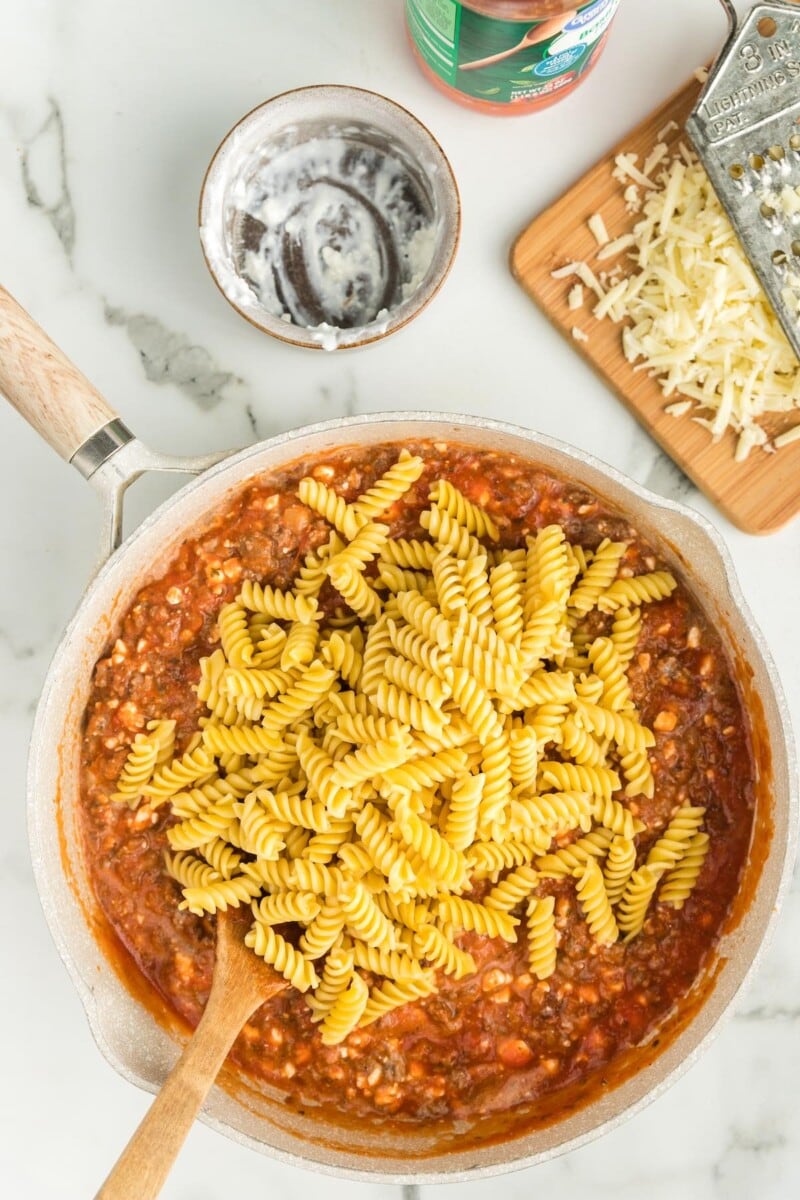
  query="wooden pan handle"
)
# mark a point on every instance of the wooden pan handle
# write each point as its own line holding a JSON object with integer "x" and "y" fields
{"x": 44, "y": 386}
{"x": 141, "y": 1170}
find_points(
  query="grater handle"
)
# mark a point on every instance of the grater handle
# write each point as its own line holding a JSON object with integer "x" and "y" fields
{"x": 733, "y": 18}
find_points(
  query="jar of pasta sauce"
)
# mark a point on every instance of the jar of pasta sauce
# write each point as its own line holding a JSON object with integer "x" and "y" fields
{"x": 508, "y": 56}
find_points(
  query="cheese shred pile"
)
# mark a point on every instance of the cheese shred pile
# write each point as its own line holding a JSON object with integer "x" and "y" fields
{"x": 696, "y": 317}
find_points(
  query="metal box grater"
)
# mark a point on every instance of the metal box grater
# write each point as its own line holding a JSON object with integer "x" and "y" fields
{"x": 746, "y": 131}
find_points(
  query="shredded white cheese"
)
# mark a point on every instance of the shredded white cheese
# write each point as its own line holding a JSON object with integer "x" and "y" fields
{"x": 695, "y": 316}
{"x": 579, "y": 335}
{"x": 575, "y": 297}
{"x": 597, "y": 228}
{"x": 786, "y": 439}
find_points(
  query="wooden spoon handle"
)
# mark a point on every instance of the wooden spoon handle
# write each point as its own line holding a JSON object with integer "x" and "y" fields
{"x": 143, "y": 1166}
{"x": 44, "y": 386}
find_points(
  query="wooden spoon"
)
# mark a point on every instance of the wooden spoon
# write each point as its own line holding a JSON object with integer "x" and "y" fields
{"x": 240, "y": 984}
{"x": 541, "y": 32}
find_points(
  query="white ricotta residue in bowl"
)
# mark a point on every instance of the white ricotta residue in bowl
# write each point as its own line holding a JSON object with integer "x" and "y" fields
{"x": 333, "y": 233}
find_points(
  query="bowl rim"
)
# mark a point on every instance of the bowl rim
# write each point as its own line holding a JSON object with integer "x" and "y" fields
{"x": 450, "y": 236}
{"x": 39, "y": 813}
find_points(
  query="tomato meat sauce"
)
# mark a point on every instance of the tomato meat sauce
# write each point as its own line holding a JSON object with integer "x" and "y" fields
{"x": 497, "y": 1039}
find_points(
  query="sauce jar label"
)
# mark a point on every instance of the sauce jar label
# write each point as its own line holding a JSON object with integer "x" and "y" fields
{"x": 507, "y": 62}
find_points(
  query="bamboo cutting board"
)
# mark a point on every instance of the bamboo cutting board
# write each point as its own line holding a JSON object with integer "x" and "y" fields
{"x": 758, "y": 495}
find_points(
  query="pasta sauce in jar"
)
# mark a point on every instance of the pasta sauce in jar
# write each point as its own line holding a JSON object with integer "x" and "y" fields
{"x": 508, "y": 56}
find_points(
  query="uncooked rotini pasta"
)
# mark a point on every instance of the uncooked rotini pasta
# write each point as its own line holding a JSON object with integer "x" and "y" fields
{"x": 594, "y": 901}
{"x": 680, "y": 881}
{"x": 346, "y": 1012}
{"x": 567, "y": 860}
{"x": 390, "y": 488}
{"x": 333, "y": 508}
{"x": 638, "y": 589}
{"x": 456, "y": 505}
{"x": 461, "y": 720}
{"x": 542, "y": 936}
{"x": 620, "y": 864}
{"x": 598, "y": 576}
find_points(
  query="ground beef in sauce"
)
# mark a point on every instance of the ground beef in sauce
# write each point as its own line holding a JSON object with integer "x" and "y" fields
{"x": 499, "y": 1038}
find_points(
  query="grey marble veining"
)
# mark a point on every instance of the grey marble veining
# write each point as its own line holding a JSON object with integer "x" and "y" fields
{"x": 43, "y": 164}
{"x": 108, "y": 116}
{"x": 169, "y": 357}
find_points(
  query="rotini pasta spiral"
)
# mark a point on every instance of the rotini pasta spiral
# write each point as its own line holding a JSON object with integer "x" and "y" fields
{"x": 415, "y": 680}
{"x": 466, "y": 914}
{"x": 598, "y": 576}
{"x": 600, "y": 781}
{"x": 336, "y": 976}
{"x": 222, "y": 857}
{"x": 390, "y": 488}
{"x": 474, "y": 519}
{"x": 639, "y": 589}
{"x": 335, "y": 509}
{"x": 364, "y": 547}
{"x": 542, "y": 936}
{"x": 168, "y": 780}
{"x": 671, "y": 846}
{"x": 392, "y": 701}
{"x": 429, "y": 943}
{"x": 399, "y": 579}
{"x": 355, "y": 591}
{"x": 190, "y": 871}
{"x": 408, "y": 554}
{"x": 635, "y": 901}
{"x": 487, "y": 860}
{"x": 625, "y": 731}
{"x": 281, "y": 955}
{"x": 496, "y": 768}
{"x": 619, "y": 867}
{"x": 625, "y": 632}
{"x": 346, "y": 1012}
{"x": 446, "y": 864}
{"x": 613, "y": 815}
{"x": 323, "y": 931}
{"x": 300, "y": 645}
{"x": 394, "y": 994}
{"x": 286, "y": 906}
{"x": 609, "y": 668}
{"x": 595, "y": 904}
{"x": 394, "y": 964}
{"x": 369, "y": 761}
{"x": 447, "y": 532}
{"x": 568, "y": 859}
{"x": 363, "y": 917}
{"x": 638, "y": 774}
{"x": 237, "y": 645}
{"x": 679, "y": 882}
{"x": 524, "y": 752}
{"x": 272, "y": 602}
{"x": 557, "y": 812}
{"x": 424, "y": 772}
{"x": 462, "y": 813}
{"x": 220, "y": 895}
{"x": 137, "y": 771}
{"x": 476, "y": 705}
{"x": 513, "y": 890}
{"x": 390, "y": 858}
{"x": 340, "y": 653}
{"x": 450, "y": 594}
{"x": 506, "y": 598}
{"x": 299, "y": 698}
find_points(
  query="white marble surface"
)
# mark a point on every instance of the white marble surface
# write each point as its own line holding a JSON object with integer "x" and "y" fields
{"x": 108, "y": 116}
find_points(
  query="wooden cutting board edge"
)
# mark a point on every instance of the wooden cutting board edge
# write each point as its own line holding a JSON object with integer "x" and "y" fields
{"x": 728, "y": 495}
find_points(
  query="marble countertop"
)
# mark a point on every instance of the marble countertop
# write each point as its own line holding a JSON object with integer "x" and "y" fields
{"x": 108, "y": 116}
